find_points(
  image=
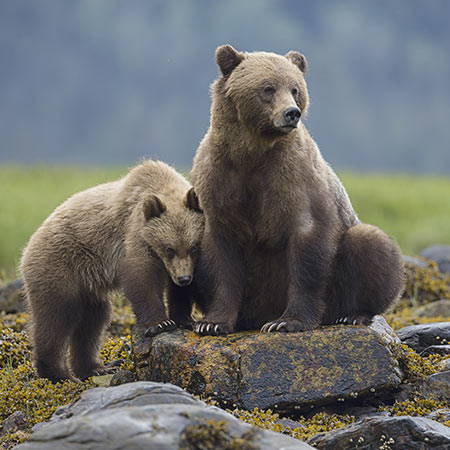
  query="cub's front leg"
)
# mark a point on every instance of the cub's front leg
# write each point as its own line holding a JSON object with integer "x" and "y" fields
{"x": 308, "y": 267}
{"x": 220, "y": 277}
{"x": 143, "y": 284}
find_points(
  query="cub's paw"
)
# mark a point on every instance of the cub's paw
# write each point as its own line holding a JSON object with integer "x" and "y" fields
{"x": 286, "y": 326}
{"x": 212, "y": 328}
{"x": 165, "y": 325}
{"x": 357, "y": 319}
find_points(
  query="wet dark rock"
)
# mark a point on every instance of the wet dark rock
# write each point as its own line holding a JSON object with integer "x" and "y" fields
{"x": 285, "y": 372}
{"x": 419, "y": 337}
{"x": 440, "y": 308}
{"x": 16, "y": 421}
{"x": 142, "y": 415}
{"x": 393, "y": 433}
{"x": 11, "y": 297}
{"x": 436, "y": 350}
{"x": 440, "y": 254}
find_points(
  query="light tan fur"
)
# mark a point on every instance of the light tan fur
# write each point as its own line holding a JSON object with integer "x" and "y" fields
{"x": 108, "y": 237}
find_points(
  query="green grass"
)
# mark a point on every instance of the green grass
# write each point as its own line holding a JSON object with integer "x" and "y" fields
{"x": 414, "y": 210}
{"x": 29, "y": 195}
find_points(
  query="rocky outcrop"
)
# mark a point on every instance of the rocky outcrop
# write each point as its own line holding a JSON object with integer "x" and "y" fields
{"x": 142, "y": 415}
{"x": 284, "y": 372}
{"x": 419, "y": 337}
{"x": 393, "y": 433}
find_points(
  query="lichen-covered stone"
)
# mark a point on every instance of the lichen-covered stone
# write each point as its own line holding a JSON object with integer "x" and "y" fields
{"x": 393, "y": 433}
{"x": 141, "y": 415}
{"x": 280, "y": 371}
{"x": 419, "y": 337}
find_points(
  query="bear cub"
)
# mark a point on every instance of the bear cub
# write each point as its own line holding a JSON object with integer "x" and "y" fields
{"x": 283, "y": 249}
{"x": 141, "y": 234}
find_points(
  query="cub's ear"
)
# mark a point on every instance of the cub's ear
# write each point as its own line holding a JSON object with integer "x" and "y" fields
{"x": 228, "y": 59}
{"x": 298, "y": 59}
{"x": 191, "y": 201}
{"x": 153, "y": 207}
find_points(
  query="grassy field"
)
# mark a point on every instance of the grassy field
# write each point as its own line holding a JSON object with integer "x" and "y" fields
{"x": 414, "y": 210}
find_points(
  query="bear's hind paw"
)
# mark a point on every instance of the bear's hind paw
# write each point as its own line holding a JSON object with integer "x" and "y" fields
{"x": 165, "y": 325}
{"x": 211, "y": 328}
{"x": 357, "y": 319}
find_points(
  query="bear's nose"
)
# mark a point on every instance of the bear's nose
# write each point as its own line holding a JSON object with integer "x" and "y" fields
{"x": 184, "y": 280}
{"x": 292, "y": 116}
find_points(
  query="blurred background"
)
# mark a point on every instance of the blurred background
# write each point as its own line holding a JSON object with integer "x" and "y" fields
{"x": 89, "y": 87}
{"x": 107, "y": 81}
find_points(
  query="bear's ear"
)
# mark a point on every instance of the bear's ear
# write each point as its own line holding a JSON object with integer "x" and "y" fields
{"x": 227, "y": 59}
{"x": 298, "y": 59}
{"x": 153, "y": 207}
{"x": 191, "y": 201}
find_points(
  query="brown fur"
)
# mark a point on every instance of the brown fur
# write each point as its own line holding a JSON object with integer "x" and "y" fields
{"x": 140, "y": 233}
{"x": 283, "y": 248}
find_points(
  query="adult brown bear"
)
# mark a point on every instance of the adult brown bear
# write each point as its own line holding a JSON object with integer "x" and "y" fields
{"x": 283, "y": 248}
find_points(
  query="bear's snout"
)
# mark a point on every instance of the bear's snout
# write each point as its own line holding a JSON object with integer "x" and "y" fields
{"x": 291, "y": 116}
{"x": 184, "y": 280}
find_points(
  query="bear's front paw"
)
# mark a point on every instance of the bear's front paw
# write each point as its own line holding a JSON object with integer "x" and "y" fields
{"x": 286, "y": 326}
{"x": 212, "y": 328}
{"x": 165, "y": 325}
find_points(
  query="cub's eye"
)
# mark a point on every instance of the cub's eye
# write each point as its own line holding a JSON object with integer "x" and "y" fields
{"x": 170, "y": 252}
{"x": 269, "y": 90}
{"x": 193, "y": 250}
{"x": 294, "y": 92}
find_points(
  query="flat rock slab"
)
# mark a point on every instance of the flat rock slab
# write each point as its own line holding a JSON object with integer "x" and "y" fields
{"x": 419, "y": 337}
{"x": 280, "y": 371}
{"x": 393, "y": 433}
{"x": 142, "y": 415}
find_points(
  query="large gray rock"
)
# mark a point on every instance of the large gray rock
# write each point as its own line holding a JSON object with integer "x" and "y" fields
{"x": 393, "y": 433}
{"x": 143, "y": 415}
{"x": 284, "y": 372}
{"x": 440, "y": 254}
{"x": 419, "y": 337}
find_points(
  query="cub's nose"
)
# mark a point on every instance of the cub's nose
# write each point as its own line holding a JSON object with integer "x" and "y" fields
{"x": 292, "y": 116}
{"x": 184, "y": 280}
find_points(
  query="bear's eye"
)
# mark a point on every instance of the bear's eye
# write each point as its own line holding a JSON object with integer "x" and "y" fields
{"x": 294, "y": 92}
{"x": 170, "y": 252}
{"x": 269, "y": 90}
{"x": 193, "y": 250}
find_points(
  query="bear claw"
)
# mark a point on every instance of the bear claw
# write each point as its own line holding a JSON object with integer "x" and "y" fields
{"x": 166, "y": 325}
{"x": 361, "y": 319}
{"x": 285, "y": 326}
{"x": 211, "y": 328}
